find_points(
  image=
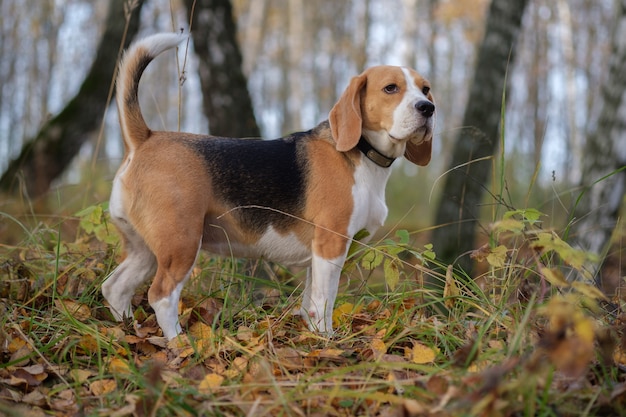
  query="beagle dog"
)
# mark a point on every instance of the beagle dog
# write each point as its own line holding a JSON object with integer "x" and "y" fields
{"x": 296, "y": 200}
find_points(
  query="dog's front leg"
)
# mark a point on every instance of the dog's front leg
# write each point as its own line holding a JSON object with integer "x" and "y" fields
{"x": 320, "y": 293}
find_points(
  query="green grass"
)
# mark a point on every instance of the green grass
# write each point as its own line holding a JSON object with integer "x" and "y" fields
{"x": 516, "y": 340}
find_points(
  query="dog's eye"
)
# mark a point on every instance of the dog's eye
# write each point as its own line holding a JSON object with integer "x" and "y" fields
{"x": 391, "y": 88}
{"x": 425, "y": 90}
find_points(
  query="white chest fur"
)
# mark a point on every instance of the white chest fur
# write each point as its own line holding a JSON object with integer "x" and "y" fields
{"x": 370, "y": 209}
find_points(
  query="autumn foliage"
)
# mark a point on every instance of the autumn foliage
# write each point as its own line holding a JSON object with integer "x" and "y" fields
{"x": 530, "y": 334}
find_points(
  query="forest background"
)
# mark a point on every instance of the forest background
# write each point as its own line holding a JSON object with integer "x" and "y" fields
{"x": 298, "y": 56}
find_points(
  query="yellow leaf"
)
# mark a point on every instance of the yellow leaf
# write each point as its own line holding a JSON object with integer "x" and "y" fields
{"x": 569, "y": 340}
{"x": 200, "y": 330}
{"x": 554, "y": 276}
{"x": 119, "y": 366}
{"x": 590, "y": 291}
{"x": 179, "y": 344}
{"x": 16, "y": 344}
{"x": 102, "y": 387}
{"x": 450, "y": 290}
{"x": 328, "y": 353}
{"x": 584, "y": 328}
{"x": 342, "y": 311}
{"x": 421, "y": 354}
{"x": 551, "y": 242}
{"x": 81, "y": 375}
{"x": 88, "y": 343}
{"x": 211, "y": 382}
{"x": 378, "y": 347}
{"x": 619, "y": 356}
{"x": 237, "y": 367}
{"x": 115, "y": 333}
{"x": 497, "y": 257}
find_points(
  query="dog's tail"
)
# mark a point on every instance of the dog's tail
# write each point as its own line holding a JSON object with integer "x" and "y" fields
{"x": 134, "y": 128}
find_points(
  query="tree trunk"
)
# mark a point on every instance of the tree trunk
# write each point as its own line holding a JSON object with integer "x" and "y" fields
{"x": 605, "y": 152}
{"x": 225, "y": 96}
{"x": 44, "y": 158}
{"x": 464, "y": 185}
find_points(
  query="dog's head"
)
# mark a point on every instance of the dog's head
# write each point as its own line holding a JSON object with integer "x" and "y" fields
{"x": 392, "y": 107}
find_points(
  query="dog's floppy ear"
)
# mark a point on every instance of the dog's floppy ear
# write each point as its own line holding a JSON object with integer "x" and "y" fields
{"x": 419, "y": 154}
{"x": 345, "y": 116}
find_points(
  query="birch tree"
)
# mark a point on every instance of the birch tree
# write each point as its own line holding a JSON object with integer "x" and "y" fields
{"x": 604, "y": 164}
{"x": 464, "y": 185}
{"x": 225, "y": 96}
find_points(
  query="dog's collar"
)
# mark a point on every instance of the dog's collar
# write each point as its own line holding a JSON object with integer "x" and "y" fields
{"x": 373, "y": 155}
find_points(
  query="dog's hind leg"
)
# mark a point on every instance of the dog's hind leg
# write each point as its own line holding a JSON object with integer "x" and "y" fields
{"x": 139, "y": 266}
{"x": 176, "y": 257}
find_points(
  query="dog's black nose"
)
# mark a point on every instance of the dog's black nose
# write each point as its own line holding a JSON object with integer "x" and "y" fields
{"x": 425, "y": 108}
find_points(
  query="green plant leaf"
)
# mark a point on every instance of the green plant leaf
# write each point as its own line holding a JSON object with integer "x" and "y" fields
{"x": 403, "y": 236}
{"x": 551, "y": 242}
{"x": 372, "y": 259}
{"x": 497, "y": 257}
{"x": 509, "y": 225}
{"x": 428, "y": 253}
{"x": 392, "y": 273}
{"x": 90, "y": 218}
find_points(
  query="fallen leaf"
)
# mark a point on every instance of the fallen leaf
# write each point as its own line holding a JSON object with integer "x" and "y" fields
{"x": 237, "y": 367}
{"x": 420, "y": 353}
{"x": 200, "y": 330}
{"x": 244, "y": 333}
{"x": 81, "y": 375}
{"x": 412, "y": 408}
{"x": 378, "y": 347}
{"x": 79, "y": 311}
{"x": 569, "y": 339}
{"x": 437, "y": 384}
{"x": 115, "y": 333}
{"x": 102, "y": 387}
{"x": 16, "y": 344}
{"x": 342, "y": 312}
{"x": 35, "y": 397}
{"x": 210, "y": 382}
{"x": 31, "y": 379}
{"x": 119, "y": 366}
{"x": 88, "y": 344}
{"x": 64, "y": 401}
{"x": 289, "y": 358}
{"x": 145, "y": 329}
{"x": 21, "y": 357}
{"x": 333, "y": 355}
